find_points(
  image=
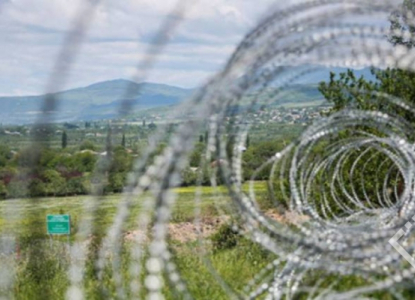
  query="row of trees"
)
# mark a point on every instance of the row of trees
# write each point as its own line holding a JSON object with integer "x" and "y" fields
{"x": 59, "y": 173}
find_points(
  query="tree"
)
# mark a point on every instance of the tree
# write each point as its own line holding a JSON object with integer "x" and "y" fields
{"x": 347, "y": 91}
{"x": 152, "y": 126}
{"x": 84, "y": 162}
{"x": 3, "y": 190}
{"x": 200, "y": 138}
{"x": 54, "y": 183}
{"x": 401, "y": 22}
{"x": 123, "y": 140}
{"x": 196, "y": 155}
{"x": 17, "y": 189}
{"x": 108, "y": 142}
{"x": 64, "y": 139}
{"x": 36, "y": 188}
{"x": 76, "y": 186}
{"x": 87, "y": 145}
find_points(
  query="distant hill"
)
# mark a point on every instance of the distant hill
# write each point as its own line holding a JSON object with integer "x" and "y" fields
{"x": 102, "y": 100}
{"x": 96, "y": 101}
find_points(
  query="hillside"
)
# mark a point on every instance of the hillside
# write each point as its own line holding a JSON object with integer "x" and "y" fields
{"x": 102, "y": 100}
{"x": 96, "y": 101}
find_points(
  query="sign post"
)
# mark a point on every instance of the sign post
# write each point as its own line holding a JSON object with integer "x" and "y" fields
{"x": 58, "y": 225}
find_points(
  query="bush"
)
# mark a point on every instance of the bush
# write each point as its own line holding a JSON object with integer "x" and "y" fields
{"x": 76, "y": 186}
{"x": 116, "y": 182}
{"x": 36, "y": 188}
{"x": 225, "y": 238}
{"x": 189, "y": 177}
{"x": 3, "y": 190}
{"x": 87, "y": 145}
{"x": 17, "y": 189}
{"x": 54, "y": 183}
{"x": 84, "y": 162}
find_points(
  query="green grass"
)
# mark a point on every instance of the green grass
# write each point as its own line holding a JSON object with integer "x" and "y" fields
{"x": 17, "y": 215}
{"x": 40, "y": 271}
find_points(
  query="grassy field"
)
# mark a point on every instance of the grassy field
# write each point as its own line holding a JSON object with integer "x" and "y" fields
{"x": 16, "y": 215}
{"x": 40, "y": 265}
{"x": 224, "y": 263}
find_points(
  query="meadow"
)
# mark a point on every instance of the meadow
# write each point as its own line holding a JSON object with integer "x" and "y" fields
{"x": 40, "y": 262}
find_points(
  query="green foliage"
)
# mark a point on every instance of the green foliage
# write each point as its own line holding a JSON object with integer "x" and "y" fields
{"x": 152, "y": 126}
{"x": 401, "y": 21}
{"x": 256, "y": 155}
{"x": 225, "y": 238}
{"x": 17, "y": 189}
{"x": 123, "y": 140}
{"x": 5, "y": 155}
{"x": 27, "y": 157}
{"x": 347, "y": 91}
{"x": 64, "y": 139}
{"x": 87, "y": 145}
{"x": 54, "y": 183}
{"x": 84, "y": 162}
{"x": 76, "y": 186}
{"x": 189, "y": 177}
{"x": 116, "y": 183}
{"x": 36, "y": 188}
{"x": 3, "y": 190}
{"x": 196, "y": 155}
{"x": 108, "y": 141}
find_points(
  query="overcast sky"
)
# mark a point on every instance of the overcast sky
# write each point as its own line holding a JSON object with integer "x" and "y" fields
{"x": 31, "y": 35}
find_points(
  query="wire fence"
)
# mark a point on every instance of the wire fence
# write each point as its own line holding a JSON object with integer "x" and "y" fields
{"x": 346, "y": 210}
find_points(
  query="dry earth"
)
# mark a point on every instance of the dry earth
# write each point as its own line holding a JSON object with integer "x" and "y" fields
{"x": 188, "y": 231}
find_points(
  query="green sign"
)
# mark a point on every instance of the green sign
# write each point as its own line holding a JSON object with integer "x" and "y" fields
{"x": 58, "y": 224}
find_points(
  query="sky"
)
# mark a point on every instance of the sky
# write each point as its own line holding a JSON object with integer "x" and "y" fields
{"x": 117, "y": 36}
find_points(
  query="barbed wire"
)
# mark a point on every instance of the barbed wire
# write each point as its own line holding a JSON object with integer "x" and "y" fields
{"x": 346, "y": 221}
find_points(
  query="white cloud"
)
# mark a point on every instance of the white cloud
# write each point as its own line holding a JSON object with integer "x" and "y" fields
{"x": 31, "y": 34}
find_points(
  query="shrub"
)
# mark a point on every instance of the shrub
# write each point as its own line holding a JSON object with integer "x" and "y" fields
{"x": 87, "y": 145}
{"x": 225, "y": 238}
{"x": 17, "y": 189}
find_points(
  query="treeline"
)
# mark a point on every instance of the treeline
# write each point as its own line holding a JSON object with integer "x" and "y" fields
{"x": 54, "y": 172}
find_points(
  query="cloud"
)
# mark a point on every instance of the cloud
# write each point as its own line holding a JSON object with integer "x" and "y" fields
{"x": 32, "y": 33}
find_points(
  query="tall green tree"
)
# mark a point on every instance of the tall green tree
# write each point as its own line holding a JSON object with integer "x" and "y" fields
{"x": 123, "y": 140}
{"x": 346, "y": 90}
{"x": 108, "y": 141}
{"x": 64, "y": 139}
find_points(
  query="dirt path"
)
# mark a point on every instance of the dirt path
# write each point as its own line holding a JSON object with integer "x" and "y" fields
{"x": 187, "y": 231}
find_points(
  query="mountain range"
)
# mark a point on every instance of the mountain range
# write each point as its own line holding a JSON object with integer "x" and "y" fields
{"x": 102, "y": 100}
{"x": 97, "y": 101}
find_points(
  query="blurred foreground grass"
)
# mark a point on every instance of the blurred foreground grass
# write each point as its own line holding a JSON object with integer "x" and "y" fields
{"x": 225, "y": 262}
{"x": 40, "y": 264}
